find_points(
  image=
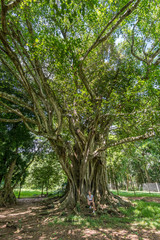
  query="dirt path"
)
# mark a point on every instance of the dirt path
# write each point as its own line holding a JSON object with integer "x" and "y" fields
{"x": 29, "y": 220}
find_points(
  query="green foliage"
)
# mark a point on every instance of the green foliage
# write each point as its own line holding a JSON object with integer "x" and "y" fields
{"x": 137, "y": 161}
{"x": 15, "y": 143}
{"x": 45, "y": 172}
{"x": 146, "y": 214}
{"x": 64, "y": 30}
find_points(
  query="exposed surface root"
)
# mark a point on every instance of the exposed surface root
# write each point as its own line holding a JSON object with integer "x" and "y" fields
{"x": 109, "y": 207}
{"x": 7, "y": 198}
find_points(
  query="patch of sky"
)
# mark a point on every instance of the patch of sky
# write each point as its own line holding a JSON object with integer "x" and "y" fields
{"x": 119, "y": 39}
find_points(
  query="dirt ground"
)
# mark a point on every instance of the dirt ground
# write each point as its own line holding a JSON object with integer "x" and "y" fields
{"x": 29, "y": 220}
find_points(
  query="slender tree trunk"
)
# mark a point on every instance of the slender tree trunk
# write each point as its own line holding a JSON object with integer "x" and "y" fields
{"x": 47, "y": 188}
{"x": 42, "y": 191}
{"x": 116, "y": 183}
{"x": 127, "y": 182}
{"x": 20, "y": 187}
{"x": 1, "y": 177}
{"x": 133, "y": 187}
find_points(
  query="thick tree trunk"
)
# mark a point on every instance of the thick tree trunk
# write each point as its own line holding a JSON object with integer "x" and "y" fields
{"x": 85, "y": 171}
{"x": 7, "y": 196}
{"x": 94, "y": 178}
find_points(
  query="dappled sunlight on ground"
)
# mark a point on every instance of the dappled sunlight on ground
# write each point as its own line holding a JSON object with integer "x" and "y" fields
{"x": 31, "y": 220}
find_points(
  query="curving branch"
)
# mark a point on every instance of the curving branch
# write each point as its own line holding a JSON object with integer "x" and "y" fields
{"x": 157, "y": 62}
{"x": 15, "y": 100}
{"x": 154, "y": 55}
{"x": 13, "y": 4}
{"x": 4, "y": 9}
{"x": 18, "y": 112}
{"x": 148, "y": 58}
{"x": 10, "y": 120}
{"x": 132, "y": 139}
{"x": 85, "y": 81}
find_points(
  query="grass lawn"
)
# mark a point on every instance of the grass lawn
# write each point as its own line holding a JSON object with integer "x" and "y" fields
{"x": 136, "y": 194}
{"x": 25, "y": 193}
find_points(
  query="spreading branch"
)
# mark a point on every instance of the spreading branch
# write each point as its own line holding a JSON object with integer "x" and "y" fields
{"x": 101, "y": 39}
{"x": 15, "y": 100}
{"x": 18, "y": 112}
{"x": 85, "y": 81}
{"x": 125, "y": 140}
{"x": 10, "y": 120}
{"x": 132, "y": 139}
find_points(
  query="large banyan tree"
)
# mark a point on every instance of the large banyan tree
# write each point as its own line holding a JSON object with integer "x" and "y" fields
{"x": 87, "y": 75}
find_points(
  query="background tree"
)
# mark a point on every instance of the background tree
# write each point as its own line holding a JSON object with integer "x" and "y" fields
{"x": 45, "y": 173}
{"x": 16, "y": 152}
{"x": 16, "y": 144}
{"x": 85, "y": 93}
{"x": 134, "y": 164}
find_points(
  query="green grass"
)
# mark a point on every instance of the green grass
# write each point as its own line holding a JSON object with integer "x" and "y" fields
{"x": 136, "y": 194}
{"x": 143, "y": 215}
{"x": 27, "y": 193}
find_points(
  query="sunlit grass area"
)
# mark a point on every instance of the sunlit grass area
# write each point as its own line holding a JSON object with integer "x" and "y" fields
{"x": 28, "y": 193}
{"x": 142, "y": 215}
{"x": 135, "y": 194}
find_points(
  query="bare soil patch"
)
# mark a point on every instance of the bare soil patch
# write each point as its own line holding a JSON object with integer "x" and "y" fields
{"x": 29, "y": 220}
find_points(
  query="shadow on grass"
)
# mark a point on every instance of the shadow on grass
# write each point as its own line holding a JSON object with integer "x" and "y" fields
{"x": 142, "y": 215}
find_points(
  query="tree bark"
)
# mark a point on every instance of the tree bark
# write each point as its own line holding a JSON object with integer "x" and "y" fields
{"x": 7, "y": 196}
{"x": 84, "y": 177}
